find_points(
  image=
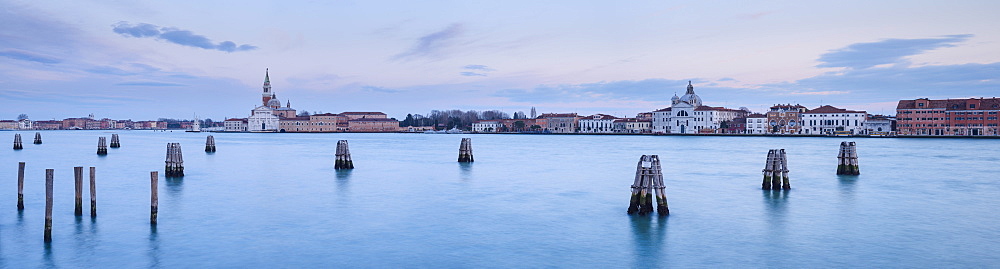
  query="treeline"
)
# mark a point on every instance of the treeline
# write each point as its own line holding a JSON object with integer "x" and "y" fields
{"x": 176, "y": 123}
{"x": 448, "y": 119}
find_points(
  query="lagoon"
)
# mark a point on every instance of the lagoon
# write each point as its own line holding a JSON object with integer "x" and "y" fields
{"x": 275, "y": 201}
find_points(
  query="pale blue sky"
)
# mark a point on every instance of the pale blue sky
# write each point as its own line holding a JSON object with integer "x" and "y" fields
{"x": 139, "y": 60}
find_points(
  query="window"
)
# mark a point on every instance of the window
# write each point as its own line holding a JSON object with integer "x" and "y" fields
{"x": 971, "y": 106}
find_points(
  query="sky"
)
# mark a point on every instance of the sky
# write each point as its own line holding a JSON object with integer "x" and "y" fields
{"x": 145, "y": 60}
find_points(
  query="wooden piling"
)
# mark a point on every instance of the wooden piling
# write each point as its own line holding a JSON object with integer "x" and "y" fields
{"x": 784, "y": 170}
{"x": 114, "y": 141}
{"x": 343, "y": 156}
{"x": 20, "y": 186}
{"x": 776, "y": 171}
{"x": 38, "y": 138}
{"x": 210, "y": 144}
{"x": 847, "y": 159}
{"x": 648, "y": 180}
{"x": 93, "y": 192}
{"x": 175, "y": 161}
{"x": 17, "y": 142}
{"x": 768, "y": 170}
{"x": 465, "y": 151}
{"x": 153, "y": 197}
{"x": 78, "y": 186}
{"x": 102, "y": 147}
{"x": 48, "y": 205}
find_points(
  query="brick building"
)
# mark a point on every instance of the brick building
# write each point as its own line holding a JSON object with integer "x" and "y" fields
{"x": 974, "y": 117}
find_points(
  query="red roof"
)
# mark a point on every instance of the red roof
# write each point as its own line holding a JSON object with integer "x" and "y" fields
{"x": 362, "y": 113}
{"x": 756, "y": 115}
{"x": 662, "y": 110}
{"x": 707, "y": 108}
{"x": 558, "y": 115}
{"x": 952, "y": 104}
{"x": 830, "y": 109}
{"x": 373, "y": 119}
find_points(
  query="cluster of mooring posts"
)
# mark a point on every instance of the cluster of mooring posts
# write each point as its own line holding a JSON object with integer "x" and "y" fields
{"x": 210, "y": 144}
{"x": 465, "y": 151}
{"x": 17, "y": 142}
{"x": 38, "y": 138}
{"x": 847, "y": 159}
{"x": 114, "y": 141}
{"x": 648, "y": 179}
{"x": 776, "y": 171}
{"x": 175, "y": 161}
{"x": 343, "y": 156}
{"x": 102, "y": 146}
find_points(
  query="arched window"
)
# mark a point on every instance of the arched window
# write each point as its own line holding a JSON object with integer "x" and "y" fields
{"x": 682, "y": 113}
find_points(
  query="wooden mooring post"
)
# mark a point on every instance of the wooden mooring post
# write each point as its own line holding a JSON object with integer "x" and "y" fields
{"x": 78, "y": 186}
{"x": 343, "y": 156}
{"x": 20, "y": 186}
{"x": 210, "y": 144}
{"x": 102, "y": 146}
{"x": 17, "y": 142}
{"x": 175, "y": 161}
{"x": 154, "y": 203}
{"x": 776, "y": 171}
{"x": 465, "y": 151}
{"x": 114, "y": 141}
{"x": 38, "y": 138}
{"x": 93, "y": 192}
{"x": 648, "y": 180}
{"x": 48, "y": 205}
{"x": 847, "y": 159}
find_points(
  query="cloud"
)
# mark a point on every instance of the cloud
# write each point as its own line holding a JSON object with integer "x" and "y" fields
{"x": 28, "y": 56}
{"x": 431, "y": 45}
{"x": 889, "y": 51}
{"x": 726, "y": 79}
{"x": 472, "y": 74}
{"x": 819, "y": 93}
{"x": 478, "y": 67}
{"x": 149, "y": 83}
{"x": 378, "y": 89}
{"x": 636, "y": 90}
{"x": 176, "y": 36}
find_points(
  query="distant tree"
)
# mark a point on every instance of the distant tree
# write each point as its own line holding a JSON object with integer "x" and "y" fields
{"x": 724, "y": 124}
{"x": 409, "y": 121}
{"x": 303, "y": 114}
{"x": 22, "y": 117}
{"x": 519, "y": 126}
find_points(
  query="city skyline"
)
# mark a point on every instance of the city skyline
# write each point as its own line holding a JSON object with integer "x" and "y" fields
{"x": 151, "y": 60}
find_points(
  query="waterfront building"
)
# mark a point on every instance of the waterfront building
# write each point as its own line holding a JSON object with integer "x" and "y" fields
{"x": 633, "y": 126}
{"x": 373, "y": 125}
{"x": 973, "y": 116}
{"x": 517, "y": 125}
{"x": 827, "y": 120}
{"x": 687, "y": 115}
{"x": 262, "y": 119}
{"x": 785, "y": 119}
{"x": 364, "y": 115}
{"x": 597, "y": 123}
{"x": 880, "y": 125}
{"x": 75, "y": 123}
{"x": 25, "y": 124}
{"x": 486, "y": 126}
{"x": 48, "y": 125}
{"x": 561, "y": 122}
{"x": 235, "y": 125}
{"x": 756, "y": 124}
{"x": 8, "y": 125}
{"x": 266, "y": 117}
{"x": 736, "y": 126}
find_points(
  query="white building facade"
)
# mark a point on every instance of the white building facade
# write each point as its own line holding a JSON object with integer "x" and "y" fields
{"x": 826, "y": 120}
{"x": 598, "y": 123}
{"x": 486, "y": 126}
{"x": 757, "y": 124}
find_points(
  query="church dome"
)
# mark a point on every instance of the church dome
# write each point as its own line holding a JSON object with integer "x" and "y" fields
{"x": 274, "y": 103}
{"x": 690, "y": 97}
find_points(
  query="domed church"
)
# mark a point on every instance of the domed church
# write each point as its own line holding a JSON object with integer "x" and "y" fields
{"x": 265, "y": 118}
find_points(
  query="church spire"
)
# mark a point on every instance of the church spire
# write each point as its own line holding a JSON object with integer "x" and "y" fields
{"x": 267, "y": 95}
{"x": 288, "y": 104}
{"x": 690, "y": 88}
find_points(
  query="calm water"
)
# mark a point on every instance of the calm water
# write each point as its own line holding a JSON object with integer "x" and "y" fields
{"x": 274, "y": 200}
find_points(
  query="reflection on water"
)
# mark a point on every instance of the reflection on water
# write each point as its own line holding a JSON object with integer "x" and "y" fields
{"x": 343, "y": 180}
{"x": 154, "y": 248}
{"x": 47, "y": 257}
{"x": 175, "y": 185}
{"x": 777, "y": 206}
{"x": 465, "y": 170}
{"x": 648, "y": 240}
{"x": 847, "y": 185}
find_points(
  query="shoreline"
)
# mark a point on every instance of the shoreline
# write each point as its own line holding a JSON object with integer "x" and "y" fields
{"x": 607, "y": 134}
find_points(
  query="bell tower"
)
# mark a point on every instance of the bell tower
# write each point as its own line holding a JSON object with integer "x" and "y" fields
{"x": 267, "y": 95}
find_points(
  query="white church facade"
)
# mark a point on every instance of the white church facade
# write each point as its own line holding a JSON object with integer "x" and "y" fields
{"x": 687, "y": 115}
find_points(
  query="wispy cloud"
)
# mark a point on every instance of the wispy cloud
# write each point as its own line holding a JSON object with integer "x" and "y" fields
{"x": 378, "y": 89}
{"x": 889, "y": 51}
{"x": 176, "y": 36}
{"x": 431, "y": 45}
{"x": 478, "y": 70}
{"x": 472, "y": 74}
{"x": 29, "y": 56}
{"x": 149, "y": 83}
{"x": 820, "y": 93}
